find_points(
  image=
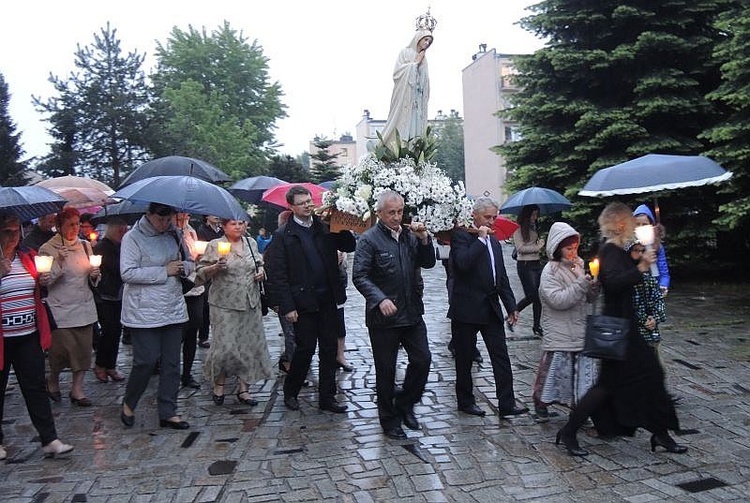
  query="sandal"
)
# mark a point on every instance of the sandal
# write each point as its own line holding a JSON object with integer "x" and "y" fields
{"x": 246, "y": 400}
{"x": 218, "y": 399}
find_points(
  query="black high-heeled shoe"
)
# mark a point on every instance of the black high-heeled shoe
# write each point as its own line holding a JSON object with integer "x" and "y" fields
{"x": 218, "y": 399}
{"x": 252, "y": 402}
{"x": 668, "y": 443}
{"x": 344, "y": 367}
{"x": 283, "y": 367}
{"x": 571, "y": 444}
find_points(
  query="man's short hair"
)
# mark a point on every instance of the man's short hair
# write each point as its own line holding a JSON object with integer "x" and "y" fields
{"x": 482, "y": 203}
{"x": 163, "y": 210}
{"x": 386, "y": 196}
{"x": 296, "y": 190}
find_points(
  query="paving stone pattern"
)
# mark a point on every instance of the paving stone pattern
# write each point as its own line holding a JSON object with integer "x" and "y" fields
{"x": 236, "y": 453}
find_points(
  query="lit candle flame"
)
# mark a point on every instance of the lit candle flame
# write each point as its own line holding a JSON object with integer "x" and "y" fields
{"x": 224, "y": 248}
{"x": 43, "y": 263}
{"x": 594, "y": 267}
{"x": 95, "y": 260}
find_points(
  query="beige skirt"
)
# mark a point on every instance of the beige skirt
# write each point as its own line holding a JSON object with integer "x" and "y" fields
{"x": 71, "y": 348}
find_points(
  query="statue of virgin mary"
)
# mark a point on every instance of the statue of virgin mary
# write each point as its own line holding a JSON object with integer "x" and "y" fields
{"x": 411, "y": 86}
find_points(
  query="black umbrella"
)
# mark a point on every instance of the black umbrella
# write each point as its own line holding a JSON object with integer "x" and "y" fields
{"x": 30, "y": 202}
{"x": 128, "y": 210}
{"x": 184, "y": 193}
{"x": 177, "y": 165}
{"x": 251, "y": 189}
{"x": 548, "y": 200}
{"x": 654, "y": 173}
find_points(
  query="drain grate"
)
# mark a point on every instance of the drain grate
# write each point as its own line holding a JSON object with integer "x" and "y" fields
{"x": 687, "y": 364}
{"x": 222, "y": 467}
{"x": 79, "y": 498}
{"x": 40, "y": 497}
{"x": 689, "y": 431}
{"x": 700, "y": 485}
{"x": 190, "y": 439}
{"x": 692, "y": 342}
{"x": 294, "y": 450}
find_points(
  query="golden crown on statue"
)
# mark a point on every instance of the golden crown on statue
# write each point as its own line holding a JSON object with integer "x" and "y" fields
{"x": 426, "y": 22}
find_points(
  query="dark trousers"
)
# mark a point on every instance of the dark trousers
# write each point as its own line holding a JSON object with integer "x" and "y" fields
{"x": 195, "y": 305}
{"x": 27, "y": 358}
{"x": 319, "y": 328}
{"x": 385, "y": 343}
{"x": 111, "y": 329}
{"x": 152, "y": 345}
{"x": 530, "y": 274}
{"x": 465, "y": 338}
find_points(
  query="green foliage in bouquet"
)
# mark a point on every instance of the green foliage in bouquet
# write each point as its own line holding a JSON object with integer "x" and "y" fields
{"x": 420, "y": 149}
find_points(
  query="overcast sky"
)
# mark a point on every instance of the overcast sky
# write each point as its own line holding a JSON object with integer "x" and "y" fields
{"x": 357, "y": 41}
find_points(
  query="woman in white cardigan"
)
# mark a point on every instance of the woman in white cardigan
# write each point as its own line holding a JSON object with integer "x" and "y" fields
{"x": 565, "y": 290}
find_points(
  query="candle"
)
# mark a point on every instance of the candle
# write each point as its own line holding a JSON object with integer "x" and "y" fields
{"x": 43, "y": 263}
{"x": 95, "y": 260}
{"x": 645, "y": 234}
{"x": 200, "y": 247}
{"x": 92, "y": 236}
{"x": 594, "y": 267}
{"x": 224, "y": 248}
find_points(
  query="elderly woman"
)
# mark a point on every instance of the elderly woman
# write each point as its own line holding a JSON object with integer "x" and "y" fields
{"x": 630, "y": 393}
{"x": 154, "y": 310}
{"x": 528, "y": 246}
{"x": 109, "y": 301}
{"x": 565, "y": 291}
{"x": 235, "y": 268}
{"x": 72, "y": 304}
{"x": 24, "y": 334}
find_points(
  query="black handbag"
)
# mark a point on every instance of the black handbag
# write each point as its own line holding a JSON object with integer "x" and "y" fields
{"x": 262, "y": 286}
{"x": 606, "y": 337}
{"x": 186, "y": 283}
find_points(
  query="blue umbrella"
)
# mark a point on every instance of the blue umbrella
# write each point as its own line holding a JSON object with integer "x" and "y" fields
{"x": 184, "y": 193}
{"x": 252, "y": 189}
{"x": 328, "y": 184}
{"x": 653, "y": 173}
{"x": 548, "y": 200}
{"x": 177, "y": 165}
{"x": 30, "y": 202}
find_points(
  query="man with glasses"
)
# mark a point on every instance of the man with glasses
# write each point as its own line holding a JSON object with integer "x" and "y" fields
{"x": 303, "y": 281}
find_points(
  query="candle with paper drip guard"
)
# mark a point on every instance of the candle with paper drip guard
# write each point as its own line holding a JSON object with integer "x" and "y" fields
{"x": 224, "y": 248}
{"x": 95, "y": 260}
{"x": 200, "y": 247}
{"x": 645, "y": 235}
{"x": 594, "y": 267}
{"x": 43, "y": 263}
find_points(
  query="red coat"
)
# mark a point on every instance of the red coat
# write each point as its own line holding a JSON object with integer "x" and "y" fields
{"x": 42, "y": 322}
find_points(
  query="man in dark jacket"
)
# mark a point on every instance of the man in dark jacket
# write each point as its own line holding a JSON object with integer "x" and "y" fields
{"x": 302, "y": 268}
{"x": 479, "y": 279}
{"x": 387, "y": 273}
{"x": 40, "y": 233}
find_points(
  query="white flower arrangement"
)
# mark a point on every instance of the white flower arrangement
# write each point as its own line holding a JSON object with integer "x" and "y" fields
{"x": 429, "y": 194}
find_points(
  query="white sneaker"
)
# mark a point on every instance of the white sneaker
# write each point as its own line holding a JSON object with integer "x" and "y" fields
{"x": 56, "y": 448}
{"x": 3, "y": 454}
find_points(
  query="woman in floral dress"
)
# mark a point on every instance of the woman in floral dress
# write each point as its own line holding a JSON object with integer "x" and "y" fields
{"x": 238, "y": 346}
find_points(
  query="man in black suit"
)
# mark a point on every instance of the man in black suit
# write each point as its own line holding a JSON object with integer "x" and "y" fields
{"x": 479, "y": 279}
{"x": 387, "y": 273}
{"x": 303, "y": 280}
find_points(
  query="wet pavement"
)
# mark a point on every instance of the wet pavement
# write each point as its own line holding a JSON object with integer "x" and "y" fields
{"x": 236, "y": 453}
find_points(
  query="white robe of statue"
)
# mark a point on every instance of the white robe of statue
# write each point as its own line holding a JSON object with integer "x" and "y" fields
{"x": 411, "y": 92}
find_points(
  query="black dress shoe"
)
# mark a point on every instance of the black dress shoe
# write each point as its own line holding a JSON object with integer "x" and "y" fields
{"x": 244, "y": 397}
{"x": 410, "y": 420}
{"x": 515, "y": 411}
{"x": 336, "y": 407}
{"x": 191, "y": 383}
{"x": 204, "y": 344}
{"x": 395, "y": 433}
{"x": 478, "y": 358}
{"x": 291, "y": 402}
{"x": 664, "y": 440}
{"x": 175, "y": 425}
{"x": 55, "y": 396}
{"x": 473, "y": 409}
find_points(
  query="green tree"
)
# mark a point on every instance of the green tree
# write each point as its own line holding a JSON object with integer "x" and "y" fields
{"x": 324, "y": 167}
{"x": 215, "y": 100}
{"x": 730, "y": 139}
{"x": 615, "y": 80}
{"x": 287, "y": 168}
{"x": 11, "y": 168}
{"x": 450, "y": 147}
{"x": 98, "y": 116}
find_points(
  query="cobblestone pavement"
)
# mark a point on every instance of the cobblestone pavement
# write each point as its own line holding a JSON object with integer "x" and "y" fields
{"x": 234, "y": 453}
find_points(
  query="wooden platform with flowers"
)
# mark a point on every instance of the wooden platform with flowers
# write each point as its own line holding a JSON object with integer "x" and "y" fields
{"x": 342, "y": 221}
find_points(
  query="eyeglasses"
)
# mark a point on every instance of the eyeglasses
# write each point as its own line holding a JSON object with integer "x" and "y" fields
{"x": 306, "y": 202}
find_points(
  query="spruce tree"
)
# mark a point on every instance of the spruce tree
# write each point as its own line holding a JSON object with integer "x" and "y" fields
{"x": 11, "y": 168}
